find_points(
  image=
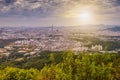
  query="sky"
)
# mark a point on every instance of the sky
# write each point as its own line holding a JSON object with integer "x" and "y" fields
{"x": 59, "y": 12}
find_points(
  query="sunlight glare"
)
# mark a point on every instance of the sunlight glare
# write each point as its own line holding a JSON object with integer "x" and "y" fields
{"x": 85, "y": 17}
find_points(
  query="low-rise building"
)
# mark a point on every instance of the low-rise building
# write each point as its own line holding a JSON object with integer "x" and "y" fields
{"x": 97, "y": 47}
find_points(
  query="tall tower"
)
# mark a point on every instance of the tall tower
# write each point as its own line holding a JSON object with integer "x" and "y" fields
{"x": 52, "y": 31}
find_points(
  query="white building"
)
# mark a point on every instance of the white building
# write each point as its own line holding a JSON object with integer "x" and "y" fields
{"x": 97, "y": 47}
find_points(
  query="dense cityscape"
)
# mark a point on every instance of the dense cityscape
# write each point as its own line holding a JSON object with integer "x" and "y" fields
{"x": 30, "y": 41}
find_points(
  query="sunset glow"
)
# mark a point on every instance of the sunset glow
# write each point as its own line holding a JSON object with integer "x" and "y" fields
{"x": 60, "y": 12}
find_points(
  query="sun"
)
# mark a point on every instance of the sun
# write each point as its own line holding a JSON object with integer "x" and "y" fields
{"x": 85, "y": 17}
{"x": 81, "y": 16}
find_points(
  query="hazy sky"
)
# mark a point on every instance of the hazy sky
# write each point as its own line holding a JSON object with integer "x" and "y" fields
{"x": 58, "y": 12}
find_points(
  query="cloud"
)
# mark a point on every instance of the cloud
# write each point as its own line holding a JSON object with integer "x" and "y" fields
{"x": 22, "y": 6}
{"x": 50, "y": 11}
{"x": 54, "y": 7}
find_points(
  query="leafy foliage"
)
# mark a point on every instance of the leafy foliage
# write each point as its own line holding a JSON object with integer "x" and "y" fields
{"x": 17, "y": 74}
{"x": 84, "y": 66}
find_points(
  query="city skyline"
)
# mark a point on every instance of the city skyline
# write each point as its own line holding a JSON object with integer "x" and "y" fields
{"x": 59, "y": 12}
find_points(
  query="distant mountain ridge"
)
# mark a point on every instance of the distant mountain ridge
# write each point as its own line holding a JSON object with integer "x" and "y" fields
{"x": 114, "y": 28}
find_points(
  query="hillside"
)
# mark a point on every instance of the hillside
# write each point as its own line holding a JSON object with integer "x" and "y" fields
{"x": 84, "y": 66}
